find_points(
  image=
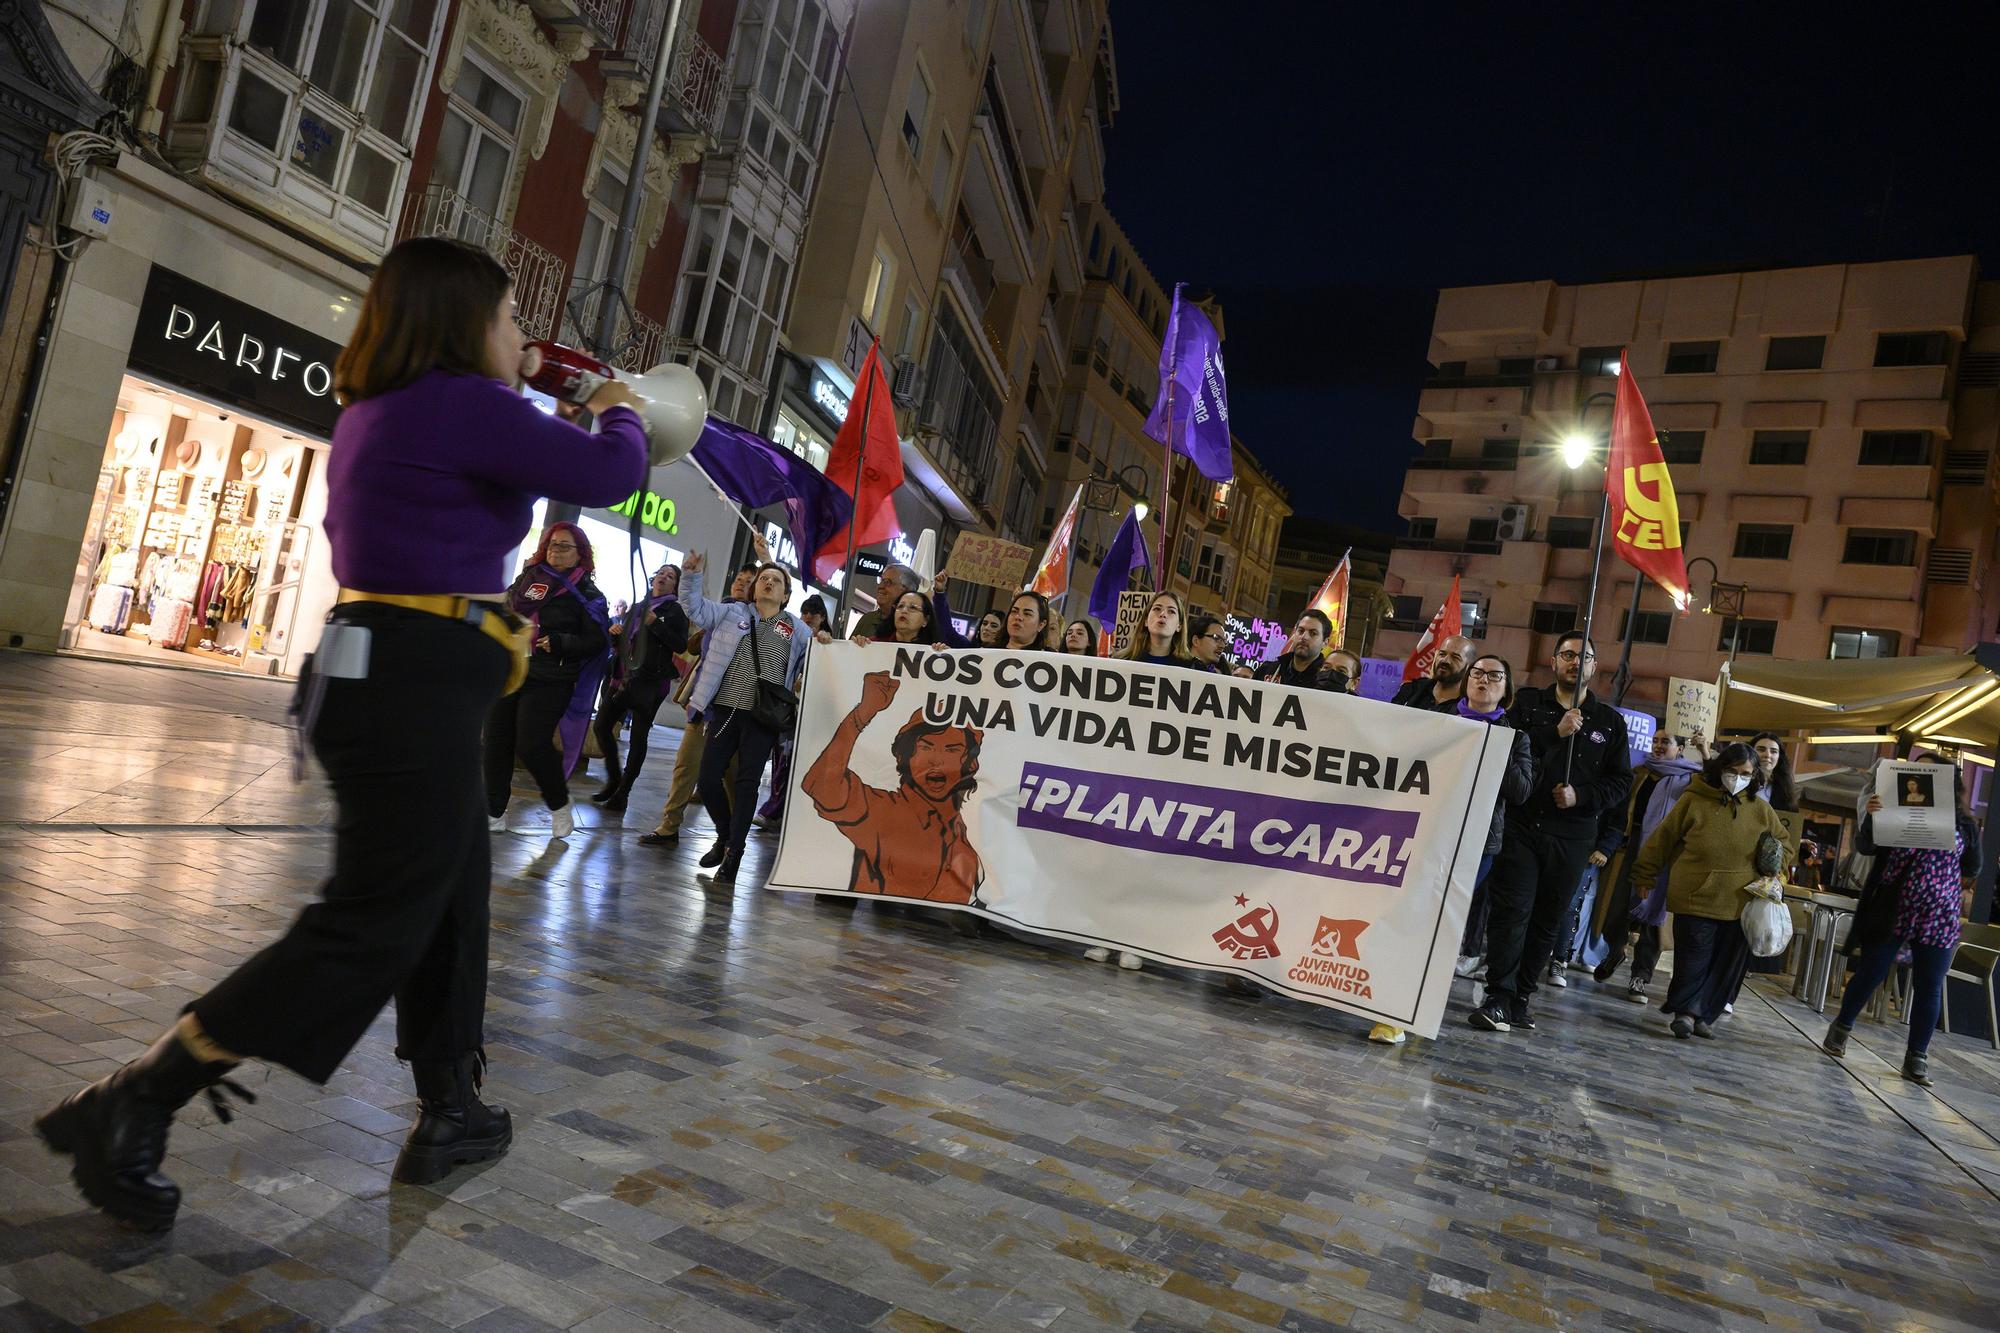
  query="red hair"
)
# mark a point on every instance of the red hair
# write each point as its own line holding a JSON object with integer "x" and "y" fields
{"x": 586, "y": 564}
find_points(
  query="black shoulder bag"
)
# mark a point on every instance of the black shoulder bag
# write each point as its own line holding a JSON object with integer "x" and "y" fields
{"x": 777, "y": 708}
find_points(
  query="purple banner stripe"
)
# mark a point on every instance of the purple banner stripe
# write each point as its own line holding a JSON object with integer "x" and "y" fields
{"x": 1351, "y": 842}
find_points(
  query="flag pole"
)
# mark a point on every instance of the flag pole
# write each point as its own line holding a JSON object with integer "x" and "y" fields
{"x": 1589, "y": 607}
{"x": 1166, "y": 480}
{"x": 860, "y": 464}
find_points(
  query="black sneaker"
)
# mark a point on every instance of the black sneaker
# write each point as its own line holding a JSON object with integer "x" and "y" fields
{"x": 1604, "y": 970}
{"x": 715, "y": 855}
{"x": 1489, "y": 1017}
{"x": 726, "y": 872}
{"x": 1520, "y": 1017}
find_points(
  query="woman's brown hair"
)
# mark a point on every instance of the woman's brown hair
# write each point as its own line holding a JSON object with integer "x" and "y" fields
{"x": 428, "y": 309}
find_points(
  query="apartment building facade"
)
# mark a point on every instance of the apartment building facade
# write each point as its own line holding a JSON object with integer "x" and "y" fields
{"x": 263, "y": 155}
{"x": 1831, "y": 437}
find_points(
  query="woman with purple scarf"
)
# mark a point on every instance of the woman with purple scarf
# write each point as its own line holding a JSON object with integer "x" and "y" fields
{"x": 571, "y": 640}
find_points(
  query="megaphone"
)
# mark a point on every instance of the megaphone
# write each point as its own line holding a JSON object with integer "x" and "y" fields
{"x": 671, "y": 399}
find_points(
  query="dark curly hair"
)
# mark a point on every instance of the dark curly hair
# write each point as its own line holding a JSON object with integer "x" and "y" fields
{"x": 905, "y": 748}
{"x": 1728, "y": 756}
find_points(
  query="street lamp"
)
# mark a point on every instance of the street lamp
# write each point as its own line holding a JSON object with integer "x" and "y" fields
{"x": 1100, "y": 496}
{"x": 1724, "y": 599}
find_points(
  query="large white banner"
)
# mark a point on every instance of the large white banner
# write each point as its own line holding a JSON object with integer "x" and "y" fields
{"x": 1320, "y": 844}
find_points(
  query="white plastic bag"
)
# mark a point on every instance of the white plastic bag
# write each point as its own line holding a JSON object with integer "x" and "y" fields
{"x": 1766, "y": 922}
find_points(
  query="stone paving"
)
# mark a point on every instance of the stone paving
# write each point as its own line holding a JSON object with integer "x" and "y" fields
{"x": 755, "y": 1110}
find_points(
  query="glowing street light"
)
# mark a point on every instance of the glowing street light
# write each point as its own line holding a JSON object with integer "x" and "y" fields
{"x": 1576, "y": 449}
{"x": 1140, "y": 509}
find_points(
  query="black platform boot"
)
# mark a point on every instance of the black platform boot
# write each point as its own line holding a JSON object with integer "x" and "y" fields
{"x": 116, "y": 1129}
{"x": 454, "y": 1128}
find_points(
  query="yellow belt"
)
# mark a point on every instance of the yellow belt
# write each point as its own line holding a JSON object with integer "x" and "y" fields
{"x": 509, "y": 631}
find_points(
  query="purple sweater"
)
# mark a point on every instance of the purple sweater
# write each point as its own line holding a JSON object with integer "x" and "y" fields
{"x": 430, "y": 488}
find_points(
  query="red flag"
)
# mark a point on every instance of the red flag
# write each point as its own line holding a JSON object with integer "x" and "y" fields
{"x": 1443, "y": 626}
{"x": 868, "y": 440}
{"x": 1645, "y": 519}
{"x": 1332, "y": 599}
{"x": 1052, "y": 575}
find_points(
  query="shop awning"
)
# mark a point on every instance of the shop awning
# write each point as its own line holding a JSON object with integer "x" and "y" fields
{"x": 1836, "y": 791}
{"x": 1949, "y": 700}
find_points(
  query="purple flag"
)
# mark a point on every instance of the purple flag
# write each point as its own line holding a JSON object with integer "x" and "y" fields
{"x": 1127, "y": 553}
{"x": 1191, "y": 376}
{"x": 753, "y": 471}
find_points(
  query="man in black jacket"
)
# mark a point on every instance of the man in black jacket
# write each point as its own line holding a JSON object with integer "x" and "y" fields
{"x": 643, "y": 673}
{"x": 1303, "y": 662}
{"x": 1579, "y": 746}
{"x": 1440, "y": 691}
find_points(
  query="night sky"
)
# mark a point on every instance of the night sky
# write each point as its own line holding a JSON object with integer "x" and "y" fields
{"x": 1326, "y": 167}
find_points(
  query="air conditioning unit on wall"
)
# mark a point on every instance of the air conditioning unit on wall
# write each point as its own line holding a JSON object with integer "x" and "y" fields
{"x": 1513, "y": 523}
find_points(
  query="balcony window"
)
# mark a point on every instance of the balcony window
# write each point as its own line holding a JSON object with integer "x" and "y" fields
{"x": 1693, "y": 358}
{"x": 1682, "y": 446}
{"x": 1598, "y": 362}
{"x": 1423, "y": 530}
{"x": 1763, "y": 541}
{"x": 1877, "y": 546}
{"x": 1754, "y": 638}
{"x": 1436, "y": 451}
{"x": 1552, "y": 618}
{"x": 476, "y": 140}
{"x": 1863, "y": 642}
{"x": 917, "y": 114}
{"x": 310, "y": 102}
{"x": 1649, "y": 626}
{"x": 1780, "y": 448}
{"x": 1482, "y": 532}
{"x": 1795, "y": 353}
{"x": 1895, "y": 448}
{"x": 1571, "y": 534}
{"x": 1912, "y": 349}
{"x": 1499, "y": 451}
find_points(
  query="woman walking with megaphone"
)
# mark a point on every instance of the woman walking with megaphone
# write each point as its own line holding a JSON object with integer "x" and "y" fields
{"x": 435, "y": 468}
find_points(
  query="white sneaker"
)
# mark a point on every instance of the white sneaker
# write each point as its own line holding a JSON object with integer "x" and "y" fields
{"x": 496, "y": 824}
{"x": 1131, "y": 962}
{"x": 1558, "y": 976}
{"x": 561, "y": 824}
{"x": 1468, "y": 965}
{"x": 1098, "y": 955}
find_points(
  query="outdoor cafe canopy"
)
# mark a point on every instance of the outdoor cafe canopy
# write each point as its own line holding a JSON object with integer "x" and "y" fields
{"x": 1948, "y": 700}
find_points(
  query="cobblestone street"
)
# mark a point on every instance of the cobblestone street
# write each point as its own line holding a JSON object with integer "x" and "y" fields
{"x": 753, "y": 1110}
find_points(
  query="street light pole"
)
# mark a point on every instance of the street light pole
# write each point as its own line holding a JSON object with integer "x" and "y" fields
{"x": 1578, "y": 449}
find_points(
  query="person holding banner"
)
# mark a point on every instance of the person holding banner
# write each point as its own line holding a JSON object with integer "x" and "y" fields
{"x": 1303, "y": 661}
{"x": 571, "y": 621}
{"x": 1030, "y": 624}
{"x": 1582, "y": 770}
{"x": 1207, "y": 637}
{"x": 891, "y": 583}
{"x": 1707, "y": 844}
{"x": 1162, "y": 636}
{"x": 912, "y": 619}
{"x": 750, "y": 646}
{"x": 1445, "y": 686}
{"x": 1081, "y": 637}
{"x": 1342, "y": 672}
{"x": 1489, "y": 689}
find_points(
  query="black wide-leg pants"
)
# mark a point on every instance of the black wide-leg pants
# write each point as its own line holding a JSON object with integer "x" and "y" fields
{"x": 404, "y": 915}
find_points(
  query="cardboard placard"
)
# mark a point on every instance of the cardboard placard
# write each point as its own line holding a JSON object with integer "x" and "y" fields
{"x": 990, "y": 562}
{"x": 1692, "y": 707}
{"x": 1132, "y": 608}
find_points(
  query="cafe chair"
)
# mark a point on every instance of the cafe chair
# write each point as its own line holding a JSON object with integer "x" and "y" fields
{"x": 1976, "y": 961}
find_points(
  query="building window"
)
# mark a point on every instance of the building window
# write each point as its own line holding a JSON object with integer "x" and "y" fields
{"x": 1598, "y": 362}
{"x": 1649, "y": 626}
{"x": 783, "y": 63}
{"x": 1683, "y": 446}
{"x": 1758, "y": 638}
{"x": 1879, "y": 546}
{"x": 1516, "y": 365}
{"x": 1405, "y": 610}
{"x": 323, "y": 99}
{"x": 917, "y": 113}
{"x": 1423, "y": 529}
{"x": 1764, "y": 541}
{"x": 1571, "y": 534}
{"x": 1780, "y": 448}
{"x": 875, "y": 294}
{"x": 475, "y": 153}
{"x": 1863, "y": 642}
{"x": 1895, "y": 448}
{"x": 1436, "y": 451}
{"x": 942, "y": 172}
{"x": 1696, "y": 358}
{"x": 1552, "y": 618}
{"x": 1451, "y": 370}
{"x": 1499, "y": 451}
{"x": 1795, "y": 353}
{"x": 913, "y": 328}
{"x": 1912, "y": 349}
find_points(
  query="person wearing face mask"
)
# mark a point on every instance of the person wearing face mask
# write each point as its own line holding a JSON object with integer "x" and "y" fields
{"x": 1303, "y": 661}
{"x": 645, "y": 642}
{"x": 1488, "y": 689}
{"x": 694, "y": 736}
{"x": 1442, "y": 689}
{"x": 1342, "y": 673}
{"x": 436, "y": 465}
{"x": 1582, "y": 770}
{"x": 1620, "y": 921}
{"x": 1707, "y": 847}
